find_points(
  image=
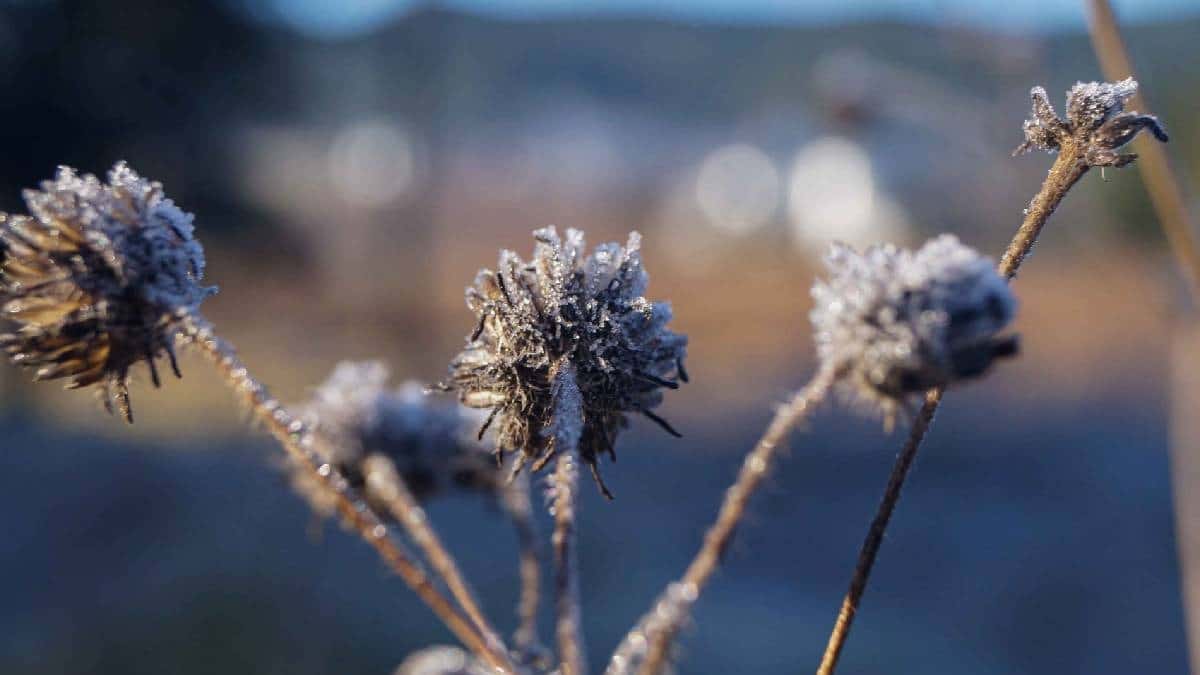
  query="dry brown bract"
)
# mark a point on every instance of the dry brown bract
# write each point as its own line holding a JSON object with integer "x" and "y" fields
{"x": 1096, "y": 125}
{"x": 564, "y": 312}
{"x": 96, "y": 278}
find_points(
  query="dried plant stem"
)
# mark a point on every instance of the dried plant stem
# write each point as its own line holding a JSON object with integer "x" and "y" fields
{"x": 566, "y": 573}
{"x": 754, "y": 470}
{"x": 520, "y": 511}
{"x": 386, "y": 485}
{"x": 1162, "y": 184}
{"x": 293, "y": 436}
{"x": 1069, "y": 166}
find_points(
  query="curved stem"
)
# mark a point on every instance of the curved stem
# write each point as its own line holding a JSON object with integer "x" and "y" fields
{"x": 293, "y": 435}
{"x": 1068, "y": 168}
{"x": 385, "y": 484}
{"x": 754, "y": 470}
{"x": 566, "y": 575}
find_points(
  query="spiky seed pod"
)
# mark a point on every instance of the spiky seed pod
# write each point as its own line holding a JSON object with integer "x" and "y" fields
{"x": 1096, "y": 125}
{"x": 354, "y": 415}
{"x": 900, "y": 322}
{"x": 442, "y": 660}
{"x": 95, "y": 279}
{"x": 566, "y": 312}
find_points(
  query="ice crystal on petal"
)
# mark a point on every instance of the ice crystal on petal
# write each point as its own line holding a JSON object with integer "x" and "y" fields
{"x": 355, "y": 415}
{"x": 1096, "y": 124}
{"x": 899, "y": 322}
{"x": 96, "y": 278}
{"x": 566, "y": 312}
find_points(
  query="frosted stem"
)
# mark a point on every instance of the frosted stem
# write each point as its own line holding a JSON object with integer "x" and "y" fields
{"x": 564, "y": 483}
{"x": 385, "y": 484}
{"x": 295, "y": 438}
{"x": 754, "y": 469}
{"x": 520, "y": 511}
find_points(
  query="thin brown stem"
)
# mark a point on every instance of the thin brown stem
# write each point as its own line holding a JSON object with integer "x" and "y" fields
{"x": 1162, "y": 183}
{"x": 295, "y": 438}
{"x": 566, "y": 574}
{"x": 520, "y": 511}
{"x": 385, "y": 484}
{"x": 1068, "y": 168}
{"x": 754, "y": 471}
{"x": 870, "y": 547}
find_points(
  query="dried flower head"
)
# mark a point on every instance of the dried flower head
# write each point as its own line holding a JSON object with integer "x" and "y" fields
{"x": 1096, "y": 125}
{"x": 442, "y": 660}
{"x": 96, "y": 277}
{"x": 565, "y": 346}
{"x": 354, "y": 415}
{"x": 898, "y": 322}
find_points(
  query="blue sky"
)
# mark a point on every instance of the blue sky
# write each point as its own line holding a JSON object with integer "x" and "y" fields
{"x": 347, "y": 18}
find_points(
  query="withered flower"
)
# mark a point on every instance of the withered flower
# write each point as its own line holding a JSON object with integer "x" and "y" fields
{"x": 1096, "y": 125}
{"x": 354, "y": 415}
{"x": 566, "y": 335}
{"x": 96, "y": 278}
{"x": 900, "y": 322}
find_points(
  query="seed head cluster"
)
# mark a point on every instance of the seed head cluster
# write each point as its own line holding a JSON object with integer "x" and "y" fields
{"x": 1096, "y": 125}
{"x": 565, "y": 346}
{"x": 95, "y": 279}
{"x": 898, "y": 322}
{"x": 354, "y": 416}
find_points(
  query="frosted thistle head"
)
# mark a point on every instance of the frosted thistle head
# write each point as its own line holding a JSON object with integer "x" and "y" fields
{"x": 565, "y": 347}
{"x": 1096, "y": 125}
{"x": 95, "y": 279}
{"x": 354, "y": 415}
{"x": 897, "y": 322}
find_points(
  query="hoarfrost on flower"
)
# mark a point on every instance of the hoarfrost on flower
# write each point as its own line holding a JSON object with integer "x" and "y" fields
{"x": 564, "y": 311}
{"x": 898, "y": 322}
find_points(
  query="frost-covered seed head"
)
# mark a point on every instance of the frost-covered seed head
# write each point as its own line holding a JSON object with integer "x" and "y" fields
{"x": 565, "y": 346}
{"x": 96, "y": 277}
{"x": 898, "y": 322}
{"x": 354, "y": 415}
{"x": 442, "y": 660}
{"x": 1096, "y": 125}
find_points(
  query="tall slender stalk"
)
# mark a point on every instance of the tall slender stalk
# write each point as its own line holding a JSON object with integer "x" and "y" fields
{"x": 293, "y": 435}
{"x": 1162, "y": 184}
{"x": 566, "y": 573}
{"x": 386, "y": 485}
{"x": 1069, "y": 166}
{"x": 754, "y": 470}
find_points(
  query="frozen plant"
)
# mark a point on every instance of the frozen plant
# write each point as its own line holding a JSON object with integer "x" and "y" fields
{"x": 1095, "y": 127}
{"x": 564, "y": 309}
{"x": 97, "y": 277}
{"x": 899, "y": 322}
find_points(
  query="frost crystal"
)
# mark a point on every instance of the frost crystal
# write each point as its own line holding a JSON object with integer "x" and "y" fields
{"x": 355, "y": 415}
{"x": 898, "y": 322}
{"x": 565, "y": 346}
{"x": 96, "y": 279}
{"x": 442, "y": 660}
{"x": 1095, "y": 125}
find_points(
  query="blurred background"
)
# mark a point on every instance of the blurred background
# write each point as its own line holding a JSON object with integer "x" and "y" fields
{"x": 352, "y": 164}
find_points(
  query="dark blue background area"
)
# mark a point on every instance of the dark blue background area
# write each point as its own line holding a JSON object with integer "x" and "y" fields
{"x": 1033, "y": 545}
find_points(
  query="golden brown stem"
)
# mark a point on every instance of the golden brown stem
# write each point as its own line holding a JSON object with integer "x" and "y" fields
{"x": 293, "y": 435}
{"x": 566, "y": 574}
{"x": 754, "y": 470}
{"x": 385, "y": 484}
{"x": 1162, "y": 184}
{"x": 1069, "y": 166}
